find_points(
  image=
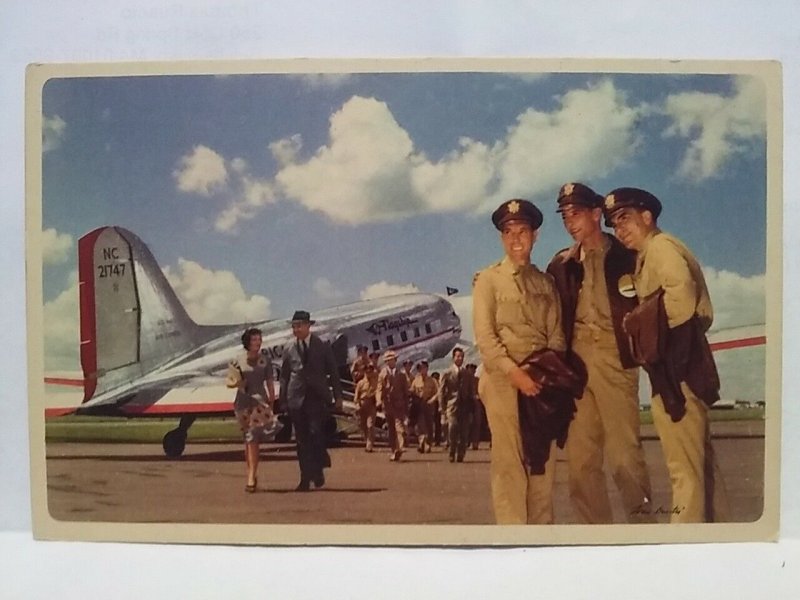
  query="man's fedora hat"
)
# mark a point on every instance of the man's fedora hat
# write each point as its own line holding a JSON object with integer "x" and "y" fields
{"x": 302, "y": 316}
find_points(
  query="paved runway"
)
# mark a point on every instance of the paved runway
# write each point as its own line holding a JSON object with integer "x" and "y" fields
{"x": 136, "y": 483}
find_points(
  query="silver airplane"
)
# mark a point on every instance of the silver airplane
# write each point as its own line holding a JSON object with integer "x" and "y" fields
{"x": 142, "y": 355}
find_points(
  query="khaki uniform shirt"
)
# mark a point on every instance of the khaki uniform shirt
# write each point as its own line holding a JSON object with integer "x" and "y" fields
{"x": 425, "y": 388}
{"x": 665, "y": 262}
{"x": 359, "y": 368}
{"x": 593, "y": 311}
{"x": 515, "y": 311}
{"x": 366, "y": 389}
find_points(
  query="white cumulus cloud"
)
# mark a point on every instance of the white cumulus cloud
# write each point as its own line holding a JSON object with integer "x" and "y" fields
{"x": 53, "y": 130}
{"x": 325, "y": 289}
{"x": 369, "y": 170}
{"x": 61, "y": 329}
{"x": 384, "y": 288}
{"x": 214, "y": 297}
{"x": 253, "y": 194}
{"x": 592, "y": 132}
{"x": 737, "y": 300}
{"x": 202, "y": 172}
{"x": 55, "y": 247}
{"x": 363, "y": 173}
{"x": 716, "y": 126}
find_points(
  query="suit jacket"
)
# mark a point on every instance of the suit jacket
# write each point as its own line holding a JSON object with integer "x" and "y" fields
{"x": 457, "y": 392}
{"x": 567, "y": 271}
{"x": 393, "y": 391}
{"x": 309, "y": 379}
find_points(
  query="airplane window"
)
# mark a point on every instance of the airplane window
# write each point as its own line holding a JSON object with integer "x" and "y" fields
{"x": 416, "y": 332}
{"x": 427, "y": 327}
{"x": 403, "y": 336}
{"x": 376, "y": 345}
{"x": 390, "y": 340}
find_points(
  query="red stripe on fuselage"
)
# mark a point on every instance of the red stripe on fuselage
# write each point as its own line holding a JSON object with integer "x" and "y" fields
{"x": 64, "y": 381}
{"x": 58, "y": 412}
{"x": 741, "y": 343}
{"x": 181, "y": 409}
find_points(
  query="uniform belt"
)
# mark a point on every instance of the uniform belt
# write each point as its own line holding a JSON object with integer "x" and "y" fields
{"x": 594, "y": 333}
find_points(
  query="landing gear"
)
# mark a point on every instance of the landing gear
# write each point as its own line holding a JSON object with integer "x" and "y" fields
{"x": 174, "y": 441}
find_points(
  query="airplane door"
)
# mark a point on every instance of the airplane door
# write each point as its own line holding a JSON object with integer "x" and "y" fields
{"x": 116, "y": 301}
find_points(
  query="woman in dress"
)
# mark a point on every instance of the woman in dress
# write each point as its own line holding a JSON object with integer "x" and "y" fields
{"x": 251, "y": 374}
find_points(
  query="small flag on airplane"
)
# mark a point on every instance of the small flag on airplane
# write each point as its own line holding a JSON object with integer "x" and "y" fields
{"x": 451, "y": 291}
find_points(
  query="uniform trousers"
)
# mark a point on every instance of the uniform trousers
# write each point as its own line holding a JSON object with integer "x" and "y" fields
{"x": 366, "y": 416}
{"x": 459, "y": 424}
{"x": 517, "y": 496}
{"x": 606, "y": 426}
{"x": 698, "y": 491}
{"x": 396, "y": 416}
{"x": 425, "y": 418}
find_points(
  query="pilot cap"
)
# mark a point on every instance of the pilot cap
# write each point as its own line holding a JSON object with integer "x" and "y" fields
{"x": 517, "y": 210}
{"x": 578, "y": 194}
{"x": 621, "y": 198}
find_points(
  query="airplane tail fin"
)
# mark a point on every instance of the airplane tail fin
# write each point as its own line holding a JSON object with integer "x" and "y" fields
{"x": 131, "y": 321}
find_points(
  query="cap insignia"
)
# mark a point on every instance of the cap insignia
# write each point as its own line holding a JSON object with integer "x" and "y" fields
{"x": 610, "y": 201}
{"x": 568, "y": 189}
{"x": 513, "y": 207}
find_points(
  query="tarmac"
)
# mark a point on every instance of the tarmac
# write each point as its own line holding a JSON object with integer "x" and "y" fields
{"x": 136, "y": 483}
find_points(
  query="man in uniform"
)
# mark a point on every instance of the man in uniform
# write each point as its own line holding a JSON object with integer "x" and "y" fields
{"x": 411, "y": 418}
{"x": 359, "y": 367}
{"x": 457, "y": 393}
{"x": 515, "y": 312}
{"x": 587, "y": 276}
{"x": 392, "y": 395}
{"x": 437, "y": 422}
{"x": 664, "y": 263}
{"x": 424, "y": 391}
{"x": 374, "y": 358}
{"x": 366, "y": 404}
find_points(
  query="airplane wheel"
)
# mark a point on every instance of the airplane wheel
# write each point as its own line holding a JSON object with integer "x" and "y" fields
{"x": 174, "y": 443}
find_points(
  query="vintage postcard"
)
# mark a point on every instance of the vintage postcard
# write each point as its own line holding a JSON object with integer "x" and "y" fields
{"x": 173, "y": 206}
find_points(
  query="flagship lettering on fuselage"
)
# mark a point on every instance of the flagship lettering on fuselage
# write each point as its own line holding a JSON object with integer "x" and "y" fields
{"x": 389, "y": 324}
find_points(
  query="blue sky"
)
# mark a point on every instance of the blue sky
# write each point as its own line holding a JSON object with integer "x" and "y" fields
{"x": 260, "y": 194}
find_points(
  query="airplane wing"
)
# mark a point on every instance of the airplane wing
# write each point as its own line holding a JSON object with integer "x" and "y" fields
{"x": 731, "y": 338}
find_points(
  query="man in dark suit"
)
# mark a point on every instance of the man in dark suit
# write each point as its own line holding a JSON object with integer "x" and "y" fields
{"x": 308, "y": 373}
